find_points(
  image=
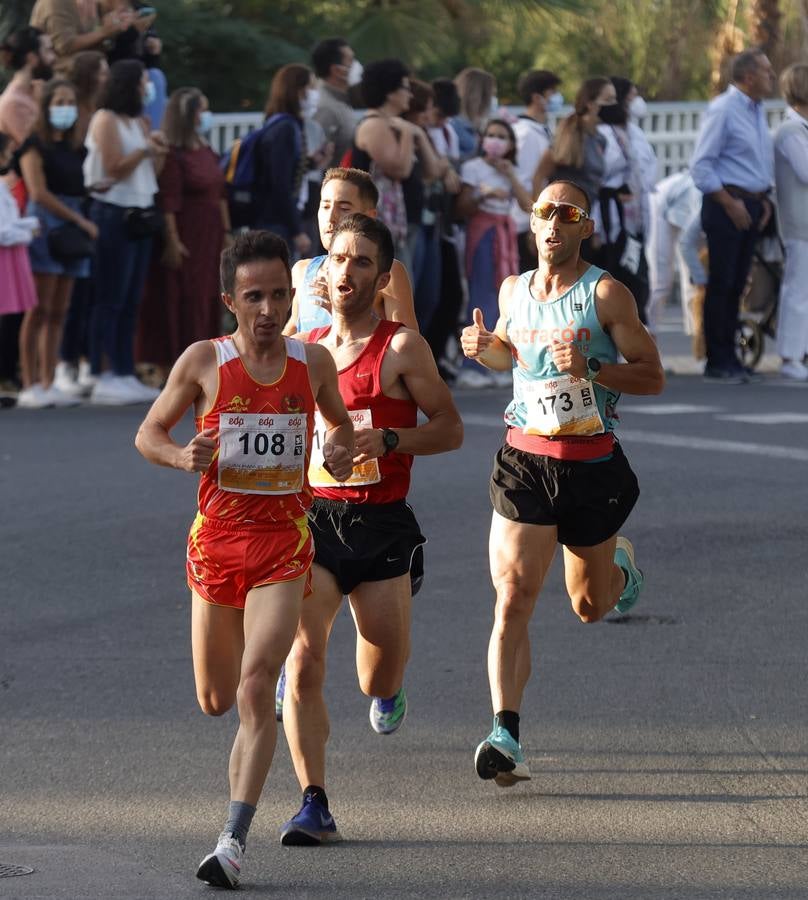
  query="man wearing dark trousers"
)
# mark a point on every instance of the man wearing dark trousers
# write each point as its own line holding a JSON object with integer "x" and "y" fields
{"x": 733, "y": 166}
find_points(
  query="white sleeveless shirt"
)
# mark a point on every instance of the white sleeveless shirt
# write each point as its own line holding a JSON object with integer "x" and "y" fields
{"x": 140, "y": 185}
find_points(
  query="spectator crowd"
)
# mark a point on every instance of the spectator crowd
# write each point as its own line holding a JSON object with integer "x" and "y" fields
{"x": 114, "y": 208}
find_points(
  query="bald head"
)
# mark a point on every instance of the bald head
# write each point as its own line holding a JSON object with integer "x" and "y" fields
{"x": 566, "y": 192}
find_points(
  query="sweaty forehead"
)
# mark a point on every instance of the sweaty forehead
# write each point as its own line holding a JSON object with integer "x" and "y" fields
{"x": 564, "y": 193}
{"x": 264, "y": 275}
{"x": 348, "y": 243}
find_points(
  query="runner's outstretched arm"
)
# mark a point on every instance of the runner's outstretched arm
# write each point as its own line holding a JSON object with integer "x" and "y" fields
{"x": 491, "y": 348}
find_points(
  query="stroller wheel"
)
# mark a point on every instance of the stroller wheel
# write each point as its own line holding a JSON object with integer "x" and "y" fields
{"x": 749, "y": 341}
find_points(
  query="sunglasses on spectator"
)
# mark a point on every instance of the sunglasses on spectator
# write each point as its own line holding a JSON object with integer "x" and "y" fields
{"x": 566, "y": 212}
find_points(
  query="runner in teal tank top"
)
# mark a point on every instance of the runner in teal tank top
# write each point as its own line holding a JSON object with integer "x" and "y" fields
{"x": 560, "y": 476}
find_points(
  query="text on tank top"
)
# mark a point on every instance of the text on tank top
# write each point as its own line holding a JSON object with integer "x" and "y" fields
{"x": 311, "y": 313}
{"x": 548, "y": 403}
{"x": 259, "y": 473}
{"x": 387, "y": 478}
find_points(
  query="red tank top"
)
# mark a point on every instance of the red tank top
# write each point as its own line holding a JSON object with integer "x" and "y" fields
{"x": 361, "y": 387}
{"x": 259, "y": 472}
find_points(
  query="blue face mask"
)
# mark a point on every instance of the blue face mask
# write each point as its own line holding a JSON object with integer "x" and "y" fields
{"x": 151, "y": 94}
{"x": 555, "y": 102}
{"x": 62, "y": 118}
{"x": 205, "y": 122}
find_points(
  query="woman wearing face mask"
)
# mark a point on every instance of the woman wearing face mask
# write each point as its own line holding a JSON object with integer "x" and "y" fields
{"x": 490, "y": 185}
{"x": 282, "y": 158}
{"x": 577, "y": 150}
{"x": 51, "y": 165}
{"x": 121, "y": 168}
{"x": 629, "y": 176}
{"x": 181, "y": 302}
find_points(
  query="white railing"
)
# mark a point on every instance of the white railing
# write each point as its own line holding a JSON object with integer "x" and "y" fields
{"x": 671, "y": 129}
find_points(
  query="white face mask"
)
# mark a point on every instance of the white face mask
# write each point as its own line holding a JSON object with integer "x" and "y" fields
{"x": 310, "y": 103}
{"x": 493, "y": 106}
{"x": 555, "y": 102}
{"x": 637, "y": 108}
{"x": 355, "y": 73}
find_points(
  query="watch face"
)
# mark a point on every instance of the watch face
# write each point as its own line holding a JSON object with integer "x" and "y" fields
{"x": 593, "y": 364}
{"x": 390, "y": 440}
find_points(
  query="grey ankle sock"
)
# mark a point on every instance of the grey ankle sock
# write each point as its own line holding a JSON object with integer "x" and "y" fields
{"x": 239, "y": 819}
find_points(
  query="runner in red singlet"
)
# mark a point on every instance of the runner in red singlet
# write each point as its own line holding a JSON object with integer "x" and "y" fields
{"x": 365, "y": 534}
{"x": 250, "y": 549}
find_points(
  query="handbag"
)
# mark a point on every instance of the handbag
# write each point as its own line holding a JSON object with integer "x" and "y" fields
{"x": 141, "y": 223}
{"x": 69, "y": 242}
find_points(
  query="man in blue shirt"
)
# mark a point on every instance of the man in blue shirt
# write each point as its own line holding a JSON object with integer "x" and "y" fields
{"x": 733, "y": 166}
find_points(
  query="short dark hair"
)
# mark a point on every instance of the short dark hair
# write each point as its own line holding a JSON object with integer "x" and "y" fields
{"x": 121, "y": 92}
{"x": 745, "y": 62}
{"x": 447, "y": 99}
{"x": 537, "y": 81}
{"x": 326, "y": 54}
{"x": 375, "y": 231}
{"x": 361, "y": 180}
{"x": 381, "y": 78}
{"x": 18, "y": 45}
{"x": 587, "y": 205}
{"x": 249, "y": 247}
{"x": 284, "y": 91}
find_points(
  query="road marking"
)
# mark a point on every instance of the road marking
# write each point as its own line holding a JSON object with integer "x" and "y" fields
{"x": 669, "y": 409}
{"x": 771, "y": 451}
{"x": 772, "y": 418}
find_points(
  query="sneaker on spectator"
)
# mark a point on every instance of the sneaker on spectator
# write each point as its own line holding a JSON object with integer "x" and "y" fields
{"x": 794, "y": 370}
{"x": 113, "y": 390}
{"x": 85, "y": 379}
{"x": 65, "y": 380}
{"x": 473, "y": 378}
{"x": 142, "y": 392}
{"x": 58, "y": 397}
{"x": 34, "y": 397}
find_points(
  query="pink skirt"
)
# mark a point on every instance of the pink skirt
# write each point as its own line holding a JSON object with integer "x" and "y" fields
{"x": 17, "y": 291}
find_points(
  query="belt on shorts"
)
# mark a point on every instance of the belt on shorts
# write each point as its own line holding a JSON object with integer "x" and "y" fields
{"x": 736, "y": 191}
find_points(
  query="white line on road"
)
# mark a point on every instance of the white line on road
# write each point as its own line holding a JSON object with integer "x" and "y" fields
{"x": 772, "y": 451}
{"x": 668, "y": 409}
{"x": 772, "y": 418}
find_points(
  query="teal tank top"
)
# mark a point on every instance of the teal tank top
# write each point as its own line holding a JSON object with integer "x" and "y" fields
{"x": 533, "y": 324}
{"x": 310, "y": 314}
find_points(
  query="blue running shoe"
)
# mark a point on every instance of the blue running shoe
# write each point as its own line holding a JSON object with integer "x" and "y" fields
{"x": 386, "y": 716}
{"x": 312, "y": 826}
{"x": 500, "y": 757}
{"x": 624, "y": 557}
{"x": 280, "y": 691}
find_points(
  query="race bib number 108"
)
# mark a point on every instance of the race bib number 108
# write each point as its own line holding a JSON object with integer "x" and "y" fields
{"x": 262, "y": 453}
{"x": 562, "y": 406}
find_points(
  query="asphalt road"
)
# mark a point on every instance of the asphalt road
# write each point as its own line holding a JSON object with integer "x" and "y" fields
{"x": 669, "y": 751}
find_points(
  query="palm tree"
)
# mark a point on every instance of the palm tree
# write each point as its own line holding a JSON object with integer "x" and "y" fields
{"x": 764, "y": 25}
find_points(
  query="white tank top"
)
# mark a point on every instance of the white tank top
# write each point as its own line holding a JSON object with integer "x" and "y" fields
{"x": 140, "y": 185}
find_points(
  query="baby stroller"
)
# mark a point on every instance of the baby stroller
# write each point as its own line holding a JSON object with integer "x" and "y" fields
{"x": 758, "y": 309}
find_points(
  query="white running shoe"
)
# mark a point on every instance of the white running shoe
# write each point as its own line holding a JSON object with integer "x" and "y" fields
{"x": 34, "y": 397}
{"x": 222, "y": 868}
{"x": 142, "y": 391}
{"x": 113, "y": 390}
{"x": 58, "y": 397}
{"x": 64, "y": 379}
{"x": 86, "y": 380}
{"x": 794, "y": 370}
{"x": 472, "y": 378}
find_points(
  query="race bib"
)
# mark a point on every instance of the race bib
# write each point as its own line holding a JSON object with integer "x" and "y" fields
{"x": 561, "y": 406}
{"x": 364, "y": 473}
{"x": 262, "y": 453}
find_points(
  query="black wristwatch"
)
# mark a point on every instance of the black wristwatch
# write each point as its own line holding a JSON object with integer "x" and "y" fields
{"x": 592, "y": 368}
{"x": 390, "y": 440}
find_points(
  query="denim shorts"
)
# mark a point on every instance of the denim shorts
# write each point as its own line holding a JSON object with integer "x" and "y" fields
{"x": 42, "y": 263}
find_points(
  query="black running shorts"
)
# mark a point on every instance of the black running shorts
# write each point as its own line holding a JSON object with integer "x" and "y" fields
{"x": 360, "y": 542}
{"x": 586, "y": 501}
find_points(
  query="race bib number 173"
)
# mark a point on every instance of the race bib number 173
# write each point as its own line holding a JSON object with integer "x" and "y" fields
{"x": 561, "y": 406}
